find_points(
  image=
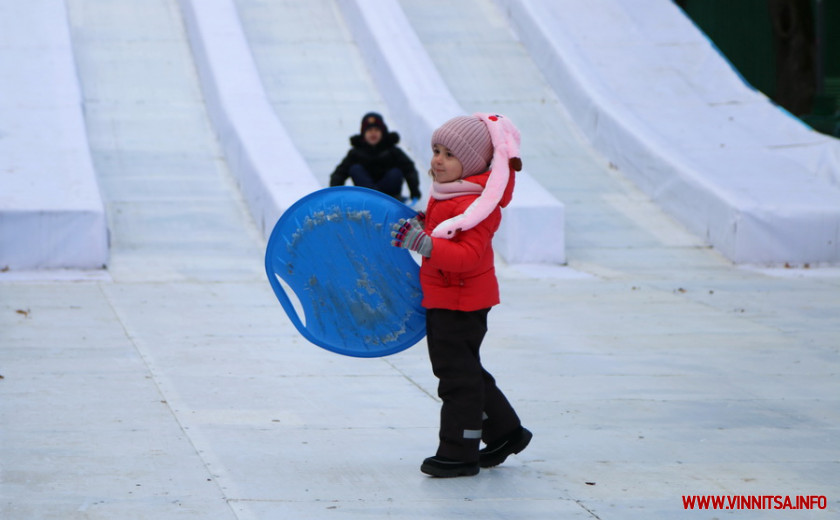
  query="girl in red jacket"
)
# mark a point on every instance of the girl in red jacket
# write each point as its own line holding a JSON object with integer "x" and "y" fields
{"x": 473, "y": 164}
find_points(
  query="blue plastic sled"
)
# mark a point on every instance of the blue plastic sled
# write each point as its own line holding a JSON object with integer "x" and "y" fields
{"x": 360, "y": 296}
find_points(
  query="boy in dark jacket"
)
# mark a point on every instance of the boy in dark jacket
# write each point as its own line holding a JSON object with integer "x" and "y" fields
{"x": 376, "y": 162}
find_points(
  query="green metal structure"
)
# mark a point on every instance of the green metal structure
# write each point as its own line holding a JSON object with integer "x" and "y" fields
{"x": 787, "y": 49}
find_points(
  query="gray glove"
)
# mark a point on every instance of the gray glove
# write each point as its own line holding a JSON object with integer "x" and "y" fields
{"x": 409, "y": 234}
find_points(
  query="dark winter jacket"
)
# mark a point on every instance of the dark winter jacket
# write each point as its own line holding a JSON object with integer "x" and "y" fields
{"x": 377, "y": 160}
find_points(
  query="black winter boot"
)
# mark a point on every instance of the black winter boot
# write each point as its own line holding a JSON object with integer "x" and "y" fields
{"x": 496, "y": 453}
{"x": 438, "y": 466}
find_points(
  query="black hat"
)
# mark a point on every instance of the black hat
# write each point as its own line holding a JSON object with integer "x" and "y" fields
{"x": 373, "y": 119}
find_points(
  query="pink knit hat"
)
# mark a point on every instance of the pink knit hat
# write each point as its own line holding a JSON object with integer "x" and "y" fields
{"x": 503, "y": 139}
{"x": 469, "y": 141}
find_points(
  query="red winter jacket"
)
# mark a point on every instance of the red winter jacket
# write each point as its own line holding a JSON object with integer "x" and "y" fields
{"x": 460, "y": 273}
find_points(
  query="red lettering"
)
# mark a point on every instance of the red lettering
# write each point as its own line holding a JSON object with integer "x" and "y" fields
{"x": 754, "y": 502}
{"x": 803, "y": 502}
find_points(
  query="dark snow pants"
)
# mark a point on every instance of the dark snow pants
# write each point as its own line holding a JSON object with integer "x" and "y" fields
{"x": 473, "y": 409}
{"x": 389, "y": 184}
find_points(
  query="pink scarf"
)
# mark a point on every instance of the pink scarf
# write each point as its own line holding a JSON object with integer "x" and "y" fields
{"x": 450, "y": 190}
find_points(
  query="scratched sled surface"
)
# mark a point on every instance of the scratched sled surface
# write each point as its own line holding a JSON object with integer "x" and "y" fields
{"x": 359, "y": 295}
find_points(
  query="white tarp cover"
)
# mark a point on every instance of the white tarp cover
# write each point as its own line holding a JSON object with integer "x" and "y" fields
{"x": 657, "y": 98}
{"x": 51, "y": 210}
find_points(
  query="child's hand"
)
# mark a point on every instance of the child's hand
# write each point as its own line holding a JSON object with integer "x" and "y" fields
{"x": 409, "y": 234}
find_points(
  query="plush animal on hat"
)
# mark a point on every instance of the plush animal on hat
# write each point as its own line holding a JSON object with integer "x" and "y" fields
{"x": 505, "y": 139}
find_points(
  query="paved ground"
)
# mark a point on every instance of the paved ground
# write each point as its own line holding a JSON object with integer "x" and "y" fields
{"x": 172, "y": 385}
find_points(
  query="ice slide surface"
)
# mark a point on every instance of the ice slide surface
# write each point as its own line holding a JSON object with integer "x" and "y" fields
{"x": 740, "y": 174}
{"x": 174, "y": 213}
{"x": 765, "y": 195}
{"x": 344, "y": 71}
